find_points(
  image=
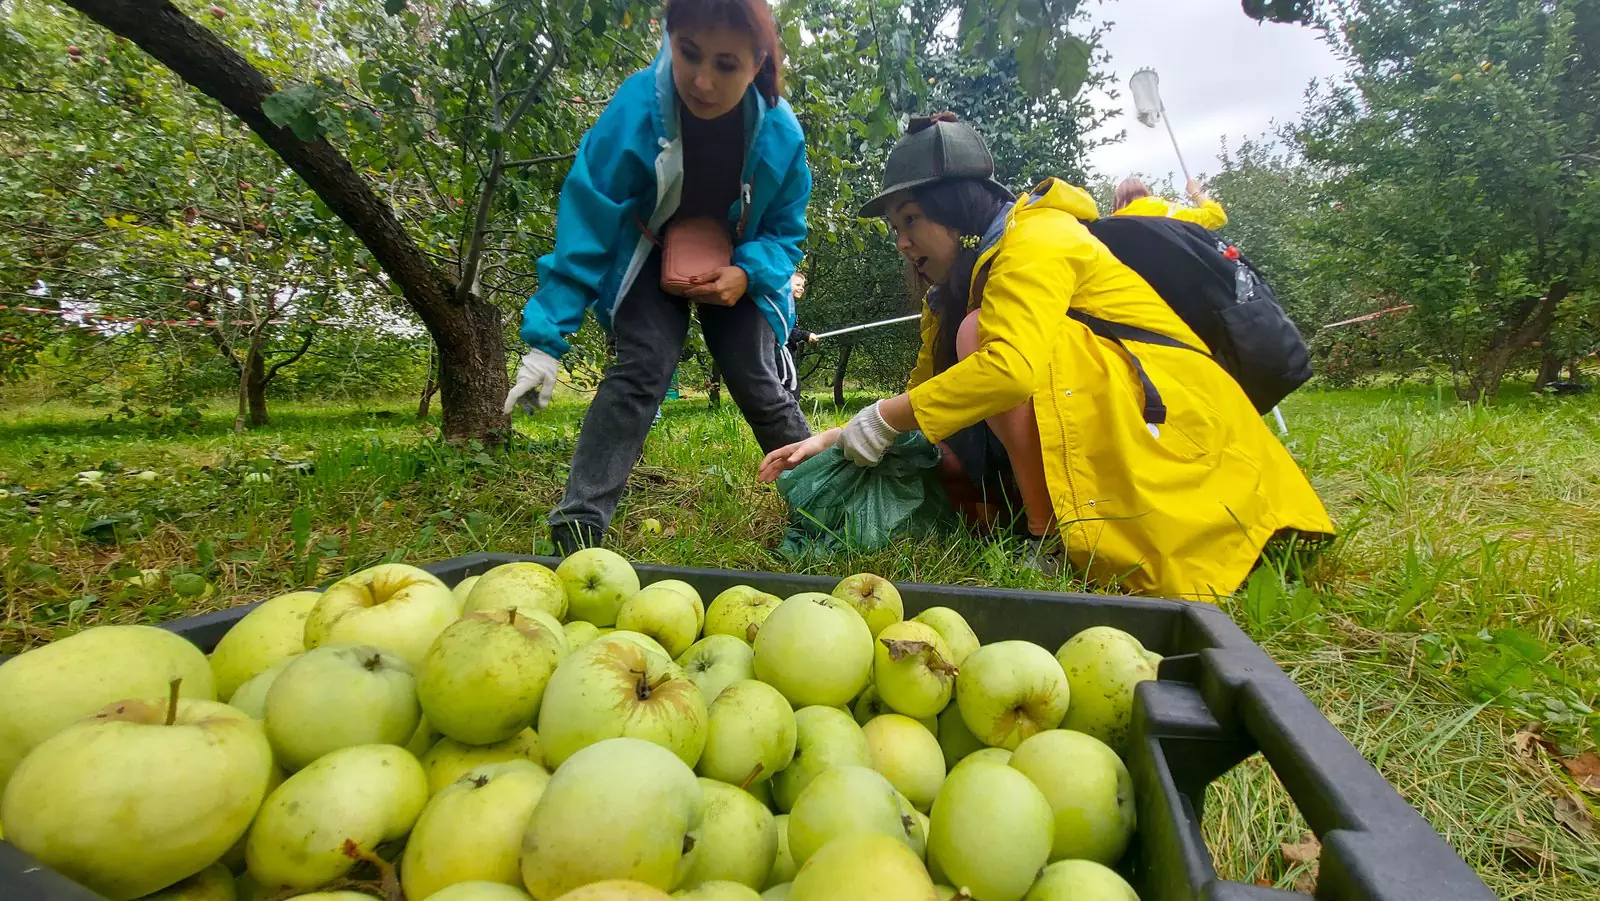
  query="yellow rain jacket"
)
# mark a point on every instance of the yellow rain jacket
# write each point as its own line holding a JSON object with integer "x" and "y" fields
{"x": 1183, "y": 513}
{"x": 1209, "y": 213}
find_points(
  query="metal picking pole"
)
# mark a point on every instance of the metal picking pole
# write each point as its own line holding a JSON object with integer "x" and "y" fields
{"x": 856, "y": 328}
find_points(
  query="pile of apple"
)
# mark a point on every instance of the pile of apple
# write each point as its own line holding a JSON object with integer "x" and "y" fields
{"x": 570, "y": 735}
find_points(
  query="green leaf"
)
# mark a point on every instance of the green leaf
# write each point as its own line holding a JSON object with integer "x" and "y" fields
{"x": 1072, "y": 57}
{"x": 295, "y": 108}
{"x": 393, "y": 7}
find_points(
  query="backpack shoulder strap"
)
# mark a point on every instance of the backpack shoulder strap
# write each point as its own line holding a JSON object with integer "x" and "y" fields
{"x": 1155, "y": 409}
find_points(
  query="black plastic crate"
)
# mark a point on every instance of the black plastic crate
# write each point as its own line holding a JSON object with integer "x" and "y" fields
{"x": 1219, "y": 699}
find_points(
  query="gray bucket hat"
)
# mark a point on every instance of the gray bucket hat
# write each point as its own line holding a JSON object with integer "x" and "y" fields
{"x": 933, "y": 149}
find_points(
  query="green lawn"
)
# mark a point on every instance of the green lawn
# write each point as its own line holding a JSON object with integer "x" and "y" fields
{"x": 1461, "y": 603}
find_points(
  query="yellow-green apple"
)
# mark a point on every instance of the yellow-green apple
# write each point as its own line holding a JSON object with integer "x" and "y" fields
{"x": 911, "y": 669}
{"x": 638, "y": 638}
{"x": 874, "y": 597}
{"x": 449, "y": 760}
{"x": 462, "y": 589}
{"x": 991, "y": 831}
{"x": 955, "y": 739}
{"x": 140, "y": 795}
{"x": 1103, "y": 666}
{"x": 863, "y": 866}
{"x": 485, "y": 675}
{"x": 739, "y": 612}
{"x": 718, "y": 891}
{"x": 597, "y": 582}
{"x": 252, "y": 695}
{"x": 312, "y": 828}
{"x": 816, "y": 649}
{"x": 908, "y": 755}
{"x": 273, "y": 631}
{"x": 396, "y": 607}
{"x": 616, "y": 890}
{"x": 1010, "y": 690}
{"x": 783, "y": 865}
{"x": 663, "y": 613}
{"x": 623, "y": 808}
{"x": 825, "y": 737}
{"x": 580, "y": 633}
{"x": 613, "y": 688}
{"x": 846, "y": 800}
{"x": 738, "y": 839}
{"x": 214, "y": 883}
{"x": 688, "y": 591}
{"x": 472, "y": 830}
{"x": 750, "y": 734}
{"x": 919, "y": 833}
{"x": 338, "y": 696}
{"x": 524, "y": 586}
{"x": 982, "y": 756}
{"x": 869, "y": 706}
{"x": 479, "y": 891}
{"x": 1089, "y": 790}
{"x": 44, "y": 690}
{"x": 779, "y": 892}
{"x": 953, "y": 628}
{"x": 423, "y": 739}
{"x": 717, "y": 661}
{"x": 1080, "y": 880}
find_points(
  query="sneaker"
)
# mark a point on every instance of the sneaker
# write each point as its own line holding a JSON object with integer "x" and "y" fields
{"x": 572, "y": 537}
{"x": 1043, "y": 554}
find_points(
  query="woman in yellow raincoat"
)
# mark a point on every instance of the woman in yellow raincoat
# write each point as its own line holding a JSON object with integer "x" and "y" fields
{"x": 1147, "y": 461}
{"x": 1133, "y": 198}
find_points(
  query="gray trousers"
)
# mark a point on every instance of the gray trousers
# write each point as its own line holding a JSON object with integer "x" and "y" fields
{"x": 650, "y": 327}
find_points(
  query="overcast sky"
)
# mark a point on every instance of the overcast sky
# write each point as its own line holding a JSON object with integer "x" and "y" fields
{"x": 1221, "y": 73}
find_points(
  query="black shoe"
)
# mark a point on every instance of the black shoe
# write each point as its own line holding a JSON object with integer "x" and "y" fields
{"x": 572, "y": 537}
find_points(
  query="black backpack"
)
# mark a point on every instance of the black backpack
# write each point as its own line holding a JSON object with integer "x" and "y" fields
{"x": 1197, "y": 274}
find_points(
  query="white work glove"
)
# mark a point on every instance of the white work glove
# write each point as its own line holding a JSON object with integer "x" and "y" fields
{"x": 866, "y": 437}
{"x": 536, "y": 382}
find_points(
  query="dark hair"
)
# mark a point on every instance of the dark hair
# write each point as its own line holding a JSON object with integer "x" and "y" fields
{"x": 753, "y": 17}
{"x": 968, "y": 206}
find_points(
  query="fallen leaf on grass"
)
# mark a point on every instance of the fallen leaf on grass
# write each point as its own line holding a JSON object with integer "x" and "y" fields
{"x": 1584, "y": 770}
{"x": 1309, "y": 852}
{"x": 1574, "y": 814}
{"x": 1527, "y": 850}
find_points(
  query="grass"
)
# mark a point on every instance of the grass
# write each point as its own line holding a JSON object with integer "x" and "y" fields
{"x": 1461, "y": 602}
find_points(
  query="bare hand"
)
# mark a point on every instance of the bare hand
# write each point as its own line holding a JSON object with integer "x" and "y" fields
{"x": 721, "y": 286}
{"x": 1196, "y": 189}
{"x": 784, "y": 459}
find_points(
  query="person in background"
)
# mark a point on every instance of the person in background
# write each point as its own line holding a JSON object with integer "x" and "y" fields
{"x": 1133, "y": 198}
{"x": 707, "y": 117}
{"x": 1146, "y": 460}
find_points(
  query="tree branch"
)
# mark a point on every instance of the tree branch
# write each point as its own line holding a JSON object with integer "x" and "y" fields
{"x": 305, "y": 345}
{"x": 539, "y": 160}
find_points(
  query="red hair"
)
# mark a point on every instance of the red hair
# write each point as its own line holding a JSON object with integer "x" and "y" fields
{"x": 753, "y": 17}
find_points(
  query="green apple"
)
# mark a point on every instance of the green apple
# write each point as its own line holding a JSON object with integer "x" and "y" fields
{"x": 911, "y": 669}
{"x": 421, "y": 740}
{"x": 273, "y": 631}
{"x": 991, "y": 831}
{"x": 1089, "y": 790}
{"x": 252, "y": 695}
{"x": 869, "y": 706}
{"x": 597, "y": 582}
{"x": 478, "y": 891}
{"x": 908, "y": 755}
{"x": 613, "y": 688}
{"x": 779, "y": 892}
{"x": 663, "y": 613}
{"x": 623, "y": 808}
{"x": 718, "y": 891}
{"x": 953, "y": 628}
{"x": 485, "y": 675}
{"x": 783, "y": 865}
{"x": 366, "y": 795}
{"x": 919, "y": 833}
{"x": 761, "y": 791}
{"x": 449, "y": 760}
{"x": 1080, "y": 880}
{"x": 816, "y": 650}
{"x": 863, "y": 866}
{"x": 874, "y": 597}
{"x": 472, "y": 830}
{"x": 580, "y": 633}
{"x": 638, "y": 638}
{"x": 717, "y": 661}
{"x": 955, "y": 739}
{"x": 992, "y": 756}
{"x": 399, "y": 608}
{"x": 688, "y": 591}
{"x": 462, "y": 589}
{"x": 846, "y": 800}
{"x": 338, "y": 696}
{"x": 140, "y": 795}
{"x": 525, "y": 587}
{"x": 1010, "y": 690}
{"x": 825, "y": 737}
{"x": 214, "y": 883}
{"x": 1103, "y": 666}
{"x": 750, "y": 734}
{"x": 738, "y": 839}
{"x": 616, "y": 890}
{"x": 739, "y": 612}
{"x": 44, "y": 690}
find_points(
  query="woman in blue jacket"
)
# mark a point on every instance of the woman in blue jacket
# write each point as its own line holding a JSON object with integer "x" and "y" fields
{"x": 702, "y": 132}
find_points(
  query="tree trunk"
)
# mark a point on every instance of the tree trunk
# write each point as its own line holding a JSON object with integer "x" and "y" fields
{"x": 1549, "y": 371}
{"x": 838, "y": 375}
{"x": 714, "y": 390}
{"x": 256, "y": 391}
{"x": 1489, "y": 369}
{"x": 473, "y": 379}
{"x": 432, "y": 386}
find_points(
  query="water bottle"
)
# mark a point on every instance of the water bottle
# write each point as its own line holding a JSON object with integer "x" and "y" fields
{"x": 1243, "y": 288}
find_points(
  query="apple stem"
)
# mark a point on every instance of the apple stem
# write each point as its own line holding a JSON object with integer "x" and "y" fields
{"x": 748, "y": 780}
{"x": 388, "y": 880}
{"x": 172, "y": 700}
{"x": 511, "y": 620}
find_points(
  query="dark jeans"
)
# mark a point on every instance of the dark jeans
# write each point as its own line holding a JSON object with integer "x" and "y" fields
{"x": 650, "y": 327}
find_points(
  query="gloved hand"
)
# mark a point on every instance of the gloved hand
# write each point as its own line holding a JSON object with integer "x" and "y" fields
{"x": 866, "y": 437}
{"x": 536, "y": 382}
